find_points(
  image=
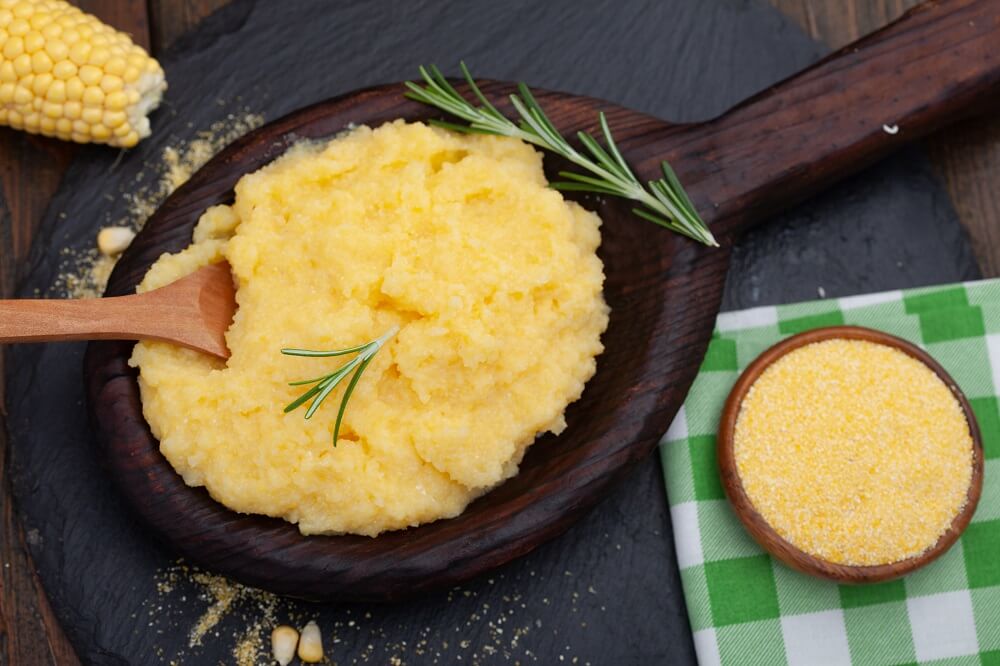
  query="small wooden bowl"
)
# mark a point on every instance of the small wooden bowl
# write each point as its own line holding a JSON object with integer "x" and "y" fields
{"x": 766, "y": 536}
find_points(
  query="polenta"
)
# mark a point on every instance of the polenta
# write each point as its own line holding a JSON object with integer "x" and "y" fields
{"x": 491, "y": 276}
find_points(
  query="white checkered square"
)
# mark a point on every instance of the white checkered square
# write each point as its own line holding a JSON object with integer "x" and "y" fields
{"x": 752, "y": 318}
{"x": 679, "y": 428}
{"x": 684, "y": 518}
{"x": 943, "y": 625}
{"x": 707, "y": 648}
{"x": 816, "y": 639}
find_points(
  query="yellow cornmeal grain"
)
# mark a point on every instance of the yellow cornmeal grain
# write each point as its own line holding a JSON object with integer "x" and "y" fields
{"x": 854, "y": 451}
{"x": 492, "y": 277}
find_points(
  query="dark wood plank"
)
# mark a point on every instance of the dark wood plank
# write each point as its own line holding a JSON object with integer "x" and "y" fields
{"x": 966, "y": 156}
{"x": 169, "y": 19}
{"x": 30, "y": 170}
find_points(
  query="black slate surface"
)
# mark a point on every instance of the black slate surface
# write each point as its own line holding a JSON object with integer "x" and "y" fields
{"x": 608, "y": 591}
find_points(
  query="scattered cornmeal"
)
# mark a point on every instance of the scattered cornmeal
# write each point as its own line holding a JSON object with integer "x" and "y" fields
{"x": 854, "y": 452}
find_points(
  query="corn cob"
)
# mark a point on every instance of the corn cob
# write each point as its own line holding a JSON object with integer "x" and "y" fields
{"x": 65, "y": 74}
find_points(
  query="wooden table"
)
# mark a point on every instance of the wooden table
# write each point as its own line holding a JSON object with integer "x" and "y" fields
{"x": 967, "y": 157}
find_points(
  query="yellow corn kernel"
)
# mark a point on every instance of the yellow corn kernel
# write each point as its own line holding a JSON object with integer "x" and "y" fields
{"x": 56, "y": 92}
{"x": 7, "y": 93}
{"x": 100, "y": 132}
{"x": 116, "y": 101}
{"x": 7, "y": 73}
{"x": 18, "y": 27}
{"x": 6, "y": 16}
{"x": 79, "y": 51}
{"x": 64, "y": 69}
{"x": 22, "y": 65}
{"x": 93, "y": 96}
{"x": 22, "y": 96}
{"x": 41, "y": 83}
{"x": 116, "y": 66}
{"x": 13, "y": 47}
{"x": 75, "y": 88}
{"x": 47, "y": 125}
{"x": 52, "y": 110}
{"x": 91, "y": 116}
{"x": 22, "y": 9}
{"x": 64, "y": 126}
{"x": 57, "y": 49}
{"x": 90, "y": 75}
{"x": 41, "y": 62}
{"x": 110, "y": 83}
{"x": 115, "y": 119}
{"x": 99, "y": 54}
{"x": 52, "y": 30}
{"x": 33, "y": 42}
{"x": 72, "y": 110}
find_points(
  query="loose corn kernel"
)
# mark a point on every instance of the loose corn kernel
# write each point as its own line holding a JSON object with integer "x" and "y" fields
{"x": 113, "y": 241}
{"x": 311, "y": 644}
{"x": 854, "y": 452}
{"x": 64, "y": 73}
{"x": 284, "y": 639}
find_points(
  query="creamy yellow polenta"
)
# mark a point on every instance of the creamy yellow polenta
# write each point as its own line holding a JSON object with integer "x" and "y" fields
{"x": 491, "y": 276}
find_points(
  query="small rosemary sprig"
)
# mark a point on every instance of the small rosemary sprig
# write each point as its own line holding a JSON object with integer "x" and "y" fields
{"x": 324, "y": 386}
{"x": 664, "y": 201}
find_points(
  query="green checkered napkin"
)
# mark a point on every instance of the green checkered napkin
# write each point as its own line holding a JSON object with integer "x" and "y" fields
{"x": 747, "y": 608}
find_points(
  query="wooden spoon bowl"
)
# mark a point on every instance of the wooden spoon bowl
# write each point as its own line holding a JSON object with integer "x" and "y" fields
{"x": 664, "y": 292}
{"x": 762, "y": 531}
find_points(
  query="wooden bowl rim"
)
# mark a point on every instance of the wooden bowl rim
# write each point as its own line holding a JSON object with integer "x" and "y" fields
{"x": 761, "y": 530}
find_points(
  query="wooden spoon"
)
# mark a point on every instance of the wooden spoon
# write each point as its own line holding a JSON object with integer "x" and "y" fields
{"x": 936, "y": 65}
{"x": 195, "y": 312}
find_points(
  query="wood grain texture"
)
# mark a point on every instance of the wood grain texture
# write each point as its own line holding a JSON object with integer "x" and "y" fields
{"x": 663, "y": 291}
{"x": 31, "y": 168}
{"x": 169, "y": 19}
{"x": 966, "y": 156}
{"x": 766, "y": 535}
{"x": 193, "y": 312}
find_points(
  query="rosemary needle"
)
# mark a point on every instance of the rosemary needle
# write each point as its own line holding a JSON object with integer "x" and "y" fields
{"x": 664, "y": 201}
{"x": 325, "y": 385}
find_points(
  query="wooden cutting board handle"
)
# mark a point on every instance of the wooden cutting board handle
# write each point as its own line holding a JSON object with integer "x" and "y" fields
{"x": 937, "y": 64}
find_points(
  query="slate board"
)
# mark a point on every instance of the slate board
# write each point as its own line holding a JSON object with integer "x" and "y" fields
{"x": 608, "y": 592}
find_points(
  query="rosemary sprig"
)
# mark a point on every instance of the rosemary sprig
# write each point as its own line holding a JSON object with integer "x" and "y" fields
{"x": 324, "y": 386}
{"x": 664, "y": 201}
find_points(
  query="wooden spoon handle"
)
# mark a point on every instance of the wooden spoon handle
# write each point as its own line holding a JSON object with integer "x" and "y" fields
{"x": 939, "y": 63}
{"x": 52, "y": 320}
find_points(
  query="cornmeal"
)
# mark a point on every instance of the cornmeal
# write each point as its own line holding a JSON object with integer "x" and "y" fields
{"x": 491, "y": 276}
{"x": 854, "y": 451}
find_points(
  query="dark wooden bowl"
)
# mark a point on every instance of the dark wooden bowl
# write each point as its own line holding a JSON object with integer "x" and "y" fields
{"x": 762, "y": 531}
{"x": 664, "y": 293}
